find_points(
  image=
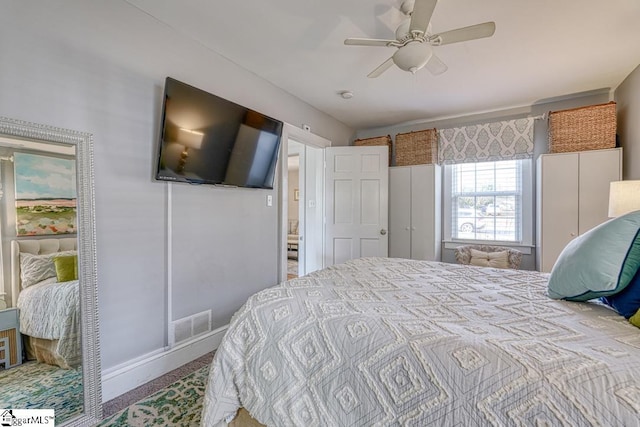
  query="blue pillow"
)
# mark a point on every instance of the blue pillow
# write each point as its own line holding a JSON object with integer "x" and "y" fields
{"x": 601, "y": 262}
{"x": 626, "y": 302}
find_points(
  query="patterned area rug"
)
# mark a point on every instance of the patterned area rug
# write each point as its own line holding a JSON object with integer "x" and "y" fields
{"x": 41, "y": 386}
{"x": 177, "y": 405}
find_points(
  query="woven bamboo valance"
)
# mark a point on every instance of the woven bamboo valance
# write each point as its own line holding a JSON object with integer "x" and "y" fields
{"x": 378, "y": 140}
{"x": 417, "y": 148}
{"x": 488, "y": 142}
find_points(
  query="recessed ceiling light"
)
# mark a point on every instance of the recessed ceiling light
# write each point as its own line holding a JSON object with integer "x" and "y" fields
{"x": 346, "y": 94}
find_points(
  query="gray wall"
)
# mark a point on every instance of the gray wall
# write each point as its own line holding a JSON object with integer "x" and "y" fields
{"x": 540, "y": 134}
{"x": 99, "y": 67}
{"x": 627, "y": 96}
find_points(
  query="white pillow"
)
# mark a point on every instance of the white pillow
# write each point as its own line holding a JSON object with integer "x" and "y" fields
{"x": 36, "y": 268}
{"x": 490, "y": 259}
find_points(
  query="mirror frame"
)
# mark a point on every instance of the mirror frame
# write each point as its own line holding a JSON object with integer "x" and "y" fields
{"x": 87, "y": 268}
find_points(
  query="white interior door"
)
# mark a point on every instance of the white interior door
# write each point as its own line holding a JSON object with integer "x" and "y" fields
{"x": 302, "y": 220}
{"x": 311, "y": 191}
{"x": 357, "y": 191}
{"x": 311, "y": 209}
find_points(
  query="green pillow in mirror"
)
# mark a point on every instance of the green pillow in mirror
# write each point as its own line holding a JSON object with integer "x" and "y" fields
{"x": 66, "y": 268}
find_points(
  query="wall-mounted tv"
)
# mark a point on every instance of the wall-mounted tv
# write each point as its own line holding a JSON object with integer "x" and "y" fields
{"x": 206, "y": 139}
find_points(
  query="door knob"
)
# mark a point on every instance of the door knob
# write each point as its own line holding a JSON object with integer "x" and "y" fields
{"x": 383, "y": 231}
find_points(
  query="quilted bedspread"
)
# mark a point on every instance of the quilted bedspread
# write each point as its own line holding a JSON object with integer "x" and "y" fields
{"x": 381, "y": 342}
{"x": 50, "y": 310}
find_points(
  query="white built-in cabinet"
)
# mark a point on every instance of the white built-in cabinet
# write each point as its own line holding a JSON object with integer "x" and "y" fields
{"x": 572, "y": 198}
{"x": 415, "y": 212}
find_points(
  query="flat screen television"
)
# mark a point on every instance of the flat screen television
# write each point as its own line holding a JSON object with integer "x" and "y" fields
{"x": 206, "y": 139}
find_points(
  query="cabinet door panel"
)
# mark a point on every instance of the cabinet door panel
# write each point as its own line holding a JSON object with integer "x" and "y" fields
{"x": 400, "y": 212}
{"x": 559, "y": 206}
{"x": 422, "y": 212}
{"x": 597, "y": 169}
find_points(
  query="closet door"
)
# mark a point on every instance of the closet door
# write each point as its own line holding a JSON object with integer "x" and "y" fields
{"x": 597, "y": 169}
{"x": 425, "y": 212}
{"x": 400, "y": 212}
{"x": 557, "y": 206}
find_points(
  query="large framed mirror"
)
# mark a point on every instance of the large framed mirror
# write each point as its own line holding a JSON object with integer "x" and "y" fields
{"x": 49, "y": 341}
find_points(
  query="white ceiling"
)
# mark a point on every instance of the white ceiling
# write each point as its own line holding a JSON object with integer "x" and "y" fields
{"x": 541, "y": 49}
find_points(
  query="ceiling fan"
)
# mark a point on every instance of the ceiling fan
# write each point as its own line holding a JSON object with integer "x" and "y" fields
{"x": 414, "y": 41}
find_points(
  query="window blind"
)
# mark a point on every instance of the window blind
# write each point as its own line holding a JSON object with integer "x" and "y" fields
{"x": 486, "y": 201}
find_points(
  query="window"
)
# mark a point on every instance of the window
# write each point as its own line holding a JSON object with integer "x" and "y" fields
{"x": 489, "y": 201}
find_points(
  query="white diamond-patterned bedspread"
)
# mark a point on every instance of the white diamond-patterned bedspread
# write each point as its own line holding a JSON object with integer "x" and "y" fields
{"x": 382, "y": 342}
{"x": 50, "y": 310}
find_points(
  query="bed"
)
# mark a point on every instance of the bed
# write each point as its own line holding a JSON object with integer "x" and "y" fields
{"x": 49, "y": 308}
{"x": 380, "y": 341}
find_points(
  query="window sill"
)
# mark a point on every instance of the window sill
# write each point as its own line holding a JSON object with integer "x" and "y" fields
{"x": 524, "y": 248}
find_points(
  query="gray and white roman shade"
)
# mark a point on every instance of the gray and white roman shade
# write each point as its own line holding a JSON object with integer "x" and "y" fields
{"x": 488, "y": 142}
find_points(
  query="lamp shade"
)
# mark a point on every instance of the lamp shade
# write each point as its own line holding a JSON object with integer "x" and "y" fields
{"x": 190, "y": 138}
{"x": 624, "y": 197}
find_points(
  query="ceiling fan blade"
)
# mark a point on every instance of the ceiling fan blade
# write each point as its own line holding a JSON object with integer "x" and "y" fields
{"x": 367, "y": 42}
{"x": 436, "y": 66}
{"x": 381, "y": 68}
{"x": 421, "y": 15}
{"x": 463, "y": 34}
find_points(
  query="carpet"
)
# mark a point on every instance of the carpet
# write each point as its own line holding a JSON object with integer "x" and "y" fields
{"x": 177, "y": 405}
{"x": 41, "y": 386}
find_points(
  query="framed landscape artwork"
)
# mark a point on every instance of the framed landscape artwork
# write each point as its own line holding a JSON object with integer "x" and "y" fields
{"x": 45, "y": 195}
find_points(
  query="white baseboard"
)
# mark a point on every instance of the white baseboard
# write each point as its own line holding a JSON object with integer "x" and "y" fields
{"x": 127, "y": 376}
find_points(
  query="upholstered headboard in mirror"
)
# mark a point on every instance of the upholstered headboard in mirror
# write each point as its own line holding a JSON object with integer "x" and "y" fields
{"x": 34, "y": 247}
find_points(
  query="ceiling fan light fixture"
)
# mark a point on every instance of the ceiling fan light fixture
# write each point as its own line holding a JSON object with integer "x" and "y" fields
{"x": 412, "y": 56}
{"x": 414, "y": 39}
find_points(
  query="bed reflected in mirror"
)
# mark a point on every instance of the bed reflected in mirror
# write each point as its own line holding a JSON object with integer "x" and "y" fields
{"x": 48, "y": 352}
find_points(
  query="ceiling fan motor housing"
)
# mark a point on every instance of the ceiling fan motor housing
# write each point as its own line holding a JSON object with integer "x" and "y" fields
{"x": 413, "y": 56}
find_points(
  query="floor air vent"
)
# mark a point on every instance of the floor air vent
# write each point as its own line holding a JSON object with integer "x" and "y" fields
{"x": 188, "y": 327}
